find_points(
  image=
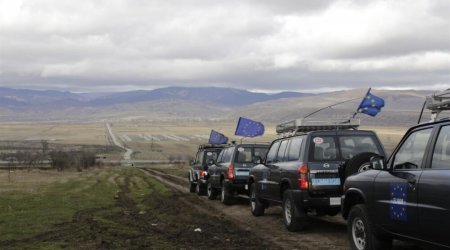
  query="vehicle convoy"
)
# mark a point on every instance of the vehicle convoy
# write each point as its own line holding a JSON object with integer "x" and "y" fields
{"x": 229, "y": 174}
{"x": 407, "y": 196}
{"x": 199, "y": 166}
{"x": 305, "y": 170}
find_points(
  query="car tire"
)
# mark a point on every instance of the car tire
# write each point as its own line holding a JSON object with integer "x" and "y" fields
{"x": 192, "y": 187}
{"x": 294, "y": 218}
{"x": 360, "y": 231}
{"x": 359, "y": 163}
{"x": 257, "y": 207}
{"x": 211, "y": 191}
{"x": 225, "y": 195}
{"x": 200, "y": 189}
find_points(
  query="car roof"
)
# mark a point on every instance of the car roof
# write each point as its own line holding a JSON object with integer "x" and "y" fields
{"x": 330, "y": 132}
{"x": 425, "y": 124}
{"x": 256, "y": 145}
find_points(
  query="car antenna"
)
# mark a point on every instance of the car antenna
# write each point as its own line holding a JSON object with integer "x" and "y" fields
{"x": 317, "y": 111}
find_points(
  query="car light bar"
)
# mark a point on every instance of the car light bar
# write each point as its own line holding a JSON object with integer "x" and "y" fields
{"x": 310, "y": 124}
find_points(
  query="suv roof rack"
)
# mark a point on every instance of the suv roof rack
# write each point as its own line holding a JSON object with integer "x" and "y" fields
{"x": 437, "y": 103}
{"x": 206, "y": 146}
{"x": 310, "y": 124}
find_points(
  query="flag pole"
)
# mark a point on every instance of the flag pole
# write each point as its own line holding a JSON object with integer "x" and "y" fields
{"x": 368, "y": 91}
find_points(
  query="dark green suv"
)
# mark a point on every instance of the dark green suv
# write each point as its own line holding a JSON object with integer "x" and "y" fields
{"x": 304, "y": 172}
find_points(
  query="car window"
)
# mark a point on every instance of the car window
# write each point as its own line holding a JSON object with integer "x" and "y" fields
{"x": 282, "y": 150}
{"x": 412, "y": 151}
{"x": 227, "y": 155}
{"x": 294, "y": 149}
{"x": 211, "y": 155}
{"x": 272, "y": 154}
{"x": 353, "y": 145}
{"x": 261, "y": 152}
{"x": 199, "y": 158}
{"x": 220, "y": 157}
{"x": 324, "y": 148}
{"x": 441, "y": 154}
{"x": 244, "y": 155}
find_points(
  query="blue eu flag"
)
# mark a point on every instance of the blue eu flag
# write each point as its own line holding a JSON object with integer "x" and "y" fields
{"x": 397, "y": 204}
{"x": 249, "y": 128}
{"x": 371, "y": 104}
{"x": 217, "y": 138}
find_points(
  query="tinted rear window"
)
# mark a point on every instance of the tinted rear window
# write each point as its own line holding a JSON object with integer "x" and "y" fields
{"x": 211, "y": 155}
{"x": 324, "y": 148}
{"x": 246, "y": 154}
{"x": 353, "y": 145}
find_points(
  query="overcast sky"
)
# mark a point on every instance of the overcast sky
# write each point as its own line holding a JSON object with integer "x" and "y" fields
{"x": 300, "y": 45}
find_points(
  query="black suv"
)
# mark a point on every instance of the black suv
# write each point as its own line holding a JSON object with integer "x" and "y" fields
{"x": 406, "y": 197}
{"x": 199, "y": 166}
{"x": 305, "y": 172}
{"x": 229, "y": 174}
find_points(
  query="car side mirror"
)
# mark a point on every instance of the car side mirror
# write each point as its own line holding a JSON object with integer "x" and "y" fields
{"x": 378, "y": 163}
{"x": 210, "y": 162}
{"x": 257, "y": 160}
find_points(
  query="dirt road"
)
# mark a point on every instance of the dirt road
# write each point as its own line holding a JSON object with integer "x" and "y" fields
{"x": 128, "y": 151}
{"x": 323, "y": 232}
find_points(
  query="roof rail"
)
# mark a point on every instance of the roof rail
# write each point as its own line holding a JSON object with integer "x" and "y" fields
{"x": 311, "y": 124}
{"x": 207, "y": 145}
{"x": 437, "y": 103}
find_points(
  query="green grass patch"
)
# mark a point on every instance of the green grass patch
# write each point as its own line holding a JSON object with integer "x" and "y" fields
{"x": 24, "y": 214}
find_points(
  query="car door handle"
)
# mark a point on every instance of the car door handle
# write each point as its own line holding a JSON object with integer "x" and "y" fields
{"x": 412, "y": 181}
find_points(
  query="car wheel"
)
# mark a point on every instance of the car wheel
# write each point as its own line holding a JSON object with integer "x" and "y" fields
{"x": 200, "y": 189}
{"x": 256, "y": 206}
{"x": 294, "y": 218}
{"x": 358, "y": 164}
{"x": 360, "y": 231}
{"x": 211, "y": 192}
{"x": 192, "y": 187}
{"x": 225, "y": 195}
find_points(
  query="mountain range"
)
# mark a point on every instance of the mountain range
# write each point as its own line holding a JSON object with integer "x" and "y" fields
{"x": 20, "y": 98}
{"x": 206, "y": 103}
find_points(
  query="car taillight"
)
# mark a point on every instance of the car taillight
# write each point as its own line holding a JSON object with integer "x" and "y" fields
{"x": 303, "y": 177}
{"x": 230, "y": 172}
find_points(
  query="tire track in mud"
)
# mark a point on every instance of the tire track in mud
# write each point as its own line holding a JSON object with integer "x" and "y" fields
{"x": 327, "y": 232}
{"x": 322, "y": 234}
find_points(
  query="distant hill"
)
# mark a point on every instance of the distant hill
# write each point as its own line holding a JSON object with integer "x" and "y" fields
{"x": 178, "y": 103}
{"x": 20, "y": 98}
{"x": 23, "y": 97}
{"x": 402, "y": 107}
{"x": 219, "y": 96}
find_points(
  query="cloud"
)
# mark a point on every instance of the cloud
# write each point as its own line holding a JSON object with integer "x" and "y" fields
{"x": 290, "y": 45}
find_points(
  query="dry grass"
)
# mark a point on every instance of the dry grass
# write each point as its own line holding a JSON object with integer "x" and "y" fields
{"x": 94, "y": 134}
{"x": 64, "y": 133}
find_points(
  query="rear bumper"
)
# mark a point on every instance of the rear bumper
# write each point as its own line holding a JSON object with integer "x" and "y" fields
{"x": 237, "y": 185}
{"x": 304, "y": 200}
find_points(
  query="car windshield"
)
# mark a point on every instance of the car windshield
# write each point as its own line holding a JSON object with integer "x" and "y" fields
{"x": 353, "y": 145}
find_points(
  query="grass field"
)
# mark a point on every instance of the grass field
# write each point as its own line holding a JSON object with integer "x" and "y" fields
{"x": 65, "y": 208}
{"x": 150, "y": 141}
{"x": 108, "y": 208}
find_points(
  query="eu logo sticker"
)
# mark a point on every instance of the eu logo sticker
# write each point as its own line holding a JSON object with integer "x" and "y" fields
{"x": 397, "y": 206}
